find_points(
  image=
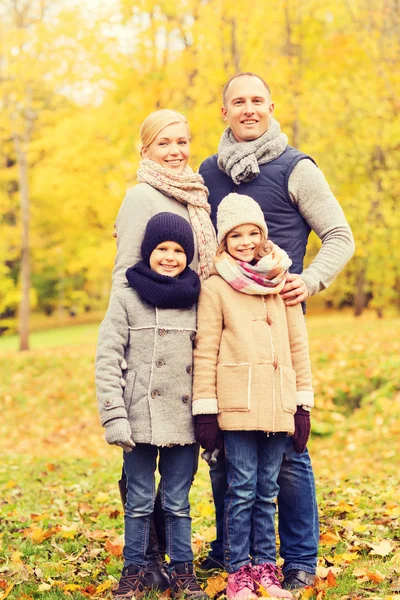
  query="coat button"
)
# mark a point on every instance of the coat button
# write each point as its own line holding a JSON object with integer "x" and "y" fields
{"x": 154, "y": 394}
{"x": 185, "y": 398}
{"x": 160, "y": 363}
{"x": 108, "y": 402}
{"x": 192, "y": 335}
{"x": 189, "y": 369}
{"x": 162, "y": 332}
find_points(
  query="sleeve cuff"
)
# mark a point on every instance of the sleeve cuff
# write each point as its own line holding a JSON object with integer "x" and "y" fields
{"x": 305, "y": 399}
{"x": 205, "y": 406}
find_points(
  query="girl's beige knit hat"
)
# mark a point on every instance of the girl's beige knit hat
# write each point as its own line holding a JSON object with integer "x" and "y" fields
{"x": 237, "y": 209}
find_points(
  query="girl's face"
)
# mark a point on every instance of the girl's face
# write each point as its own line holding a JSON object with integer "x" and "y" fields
{"x": 170, "y": 148}
{"x": 168, "y": 258}
{"x": 242, "y": 242}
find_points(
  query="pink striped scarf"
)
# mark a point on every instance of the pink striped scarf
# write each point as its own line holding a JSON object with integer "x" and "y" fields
{"x": 268, "y": 276}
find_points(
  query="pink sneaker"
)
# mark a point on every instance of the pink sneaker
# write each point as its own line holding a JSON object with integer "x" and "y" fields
{"x": 270, "y": 577}
{"x": 241, "y": 584}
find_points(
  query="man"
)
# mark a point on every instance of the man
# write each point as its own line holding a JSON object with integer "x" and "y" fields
{"x": 255, "y": 159}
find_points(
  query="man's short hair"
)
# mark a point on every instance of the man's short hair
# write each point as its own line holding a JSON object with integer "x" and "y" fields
{"x": 249, "y": 74}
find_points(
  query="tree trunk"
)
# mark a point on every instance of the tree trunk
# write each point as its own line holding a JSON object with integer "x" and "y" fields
{"x": 360, "y": 298}
{"x": 25, "y": 273}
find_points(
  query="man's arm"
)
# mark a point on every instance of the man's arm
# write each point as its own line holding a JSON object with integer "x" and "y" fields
{"x": 309, "y": 189}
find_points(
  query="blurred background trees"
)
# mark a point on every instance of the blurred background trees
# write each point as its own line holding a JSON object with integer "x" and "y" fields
{"x": 76, "y": 82}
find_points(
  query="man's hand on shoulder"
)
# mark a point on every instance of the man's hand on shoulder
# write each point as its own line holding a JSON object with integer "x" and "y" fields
{"x": 295, "y": 290}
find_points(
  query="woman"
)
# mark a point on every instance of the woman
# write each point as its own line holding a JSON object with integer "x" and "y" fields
{"x": 166, "y": 184}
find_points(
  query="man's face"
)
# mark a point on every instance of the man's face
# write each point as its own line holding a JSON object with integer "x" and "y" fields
{"x": 248, "y": 109}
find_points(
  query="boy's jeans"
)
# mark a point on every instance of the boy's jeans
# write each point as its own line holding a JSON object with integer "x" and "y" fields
{"x": 253, "y": 460}
{"x": 298, "y": 511}
{"x": 176, "y": 465}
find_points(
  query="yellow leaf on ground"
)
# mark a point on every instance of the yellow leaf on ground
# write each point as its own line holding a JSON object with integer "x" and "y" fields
{"x": 103, "y": 586}
{"x": 44, "y": 587}
{"x": 4, "y": 594}
{"x": 263, "y": 592}
{"x": 215, "y": 585}
{"x": 16, "y": 557}
{"x": 71, "y": 587}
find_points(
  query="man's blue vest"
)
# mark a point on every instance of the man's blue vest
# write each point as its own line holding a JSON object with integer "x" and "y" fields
{"x": 286, "y": 226}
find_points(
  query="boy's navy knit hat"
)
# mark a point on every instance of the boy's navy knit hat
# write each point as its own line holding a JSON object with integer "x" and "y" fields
{"x": 167, "y": 227}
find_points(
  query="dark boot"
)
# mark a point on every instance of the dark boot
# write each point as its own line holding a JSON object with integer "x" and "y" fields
{"x": 123, "y": 490}
{"x": 131, "y": 585}
{"x": 295, "y": 579}
{"x": 184, "y": 583}
{"x": 156, "y": 577}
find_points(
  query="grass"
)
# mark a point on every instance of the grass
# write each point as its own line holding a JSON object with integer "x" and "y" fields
{"x": 60, "y": 512}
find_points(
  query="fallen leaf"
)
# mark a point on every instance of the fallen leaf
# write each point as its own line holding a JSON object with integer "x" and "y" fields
{"x": 6, "y": 592}
{"x": 382, "y": 549}
{"x": 16, "y": 557}
{"x": 376, "y": 576}
{"x": 103, "y": 586}
{"x": 44, "y": 587}
{"x": 215, "y": 585}
{"x": 114, "y": 547}
{"x": 331, "y": 579}
{"x": 263, "y": 592}
{"x": 330, "y": 538}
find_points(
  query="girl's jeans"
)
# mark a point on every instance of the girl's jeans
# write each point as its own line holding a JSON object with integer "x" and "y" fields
{"x": 253, "y": 461}
{"x": 297, "y": 505}
{"x": 176, "y": 466}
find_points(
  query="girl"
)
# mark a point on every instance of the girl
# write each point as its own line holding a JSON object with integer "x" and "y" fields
{"x": 146, "y": 340}
{"x": 251, "y": 368}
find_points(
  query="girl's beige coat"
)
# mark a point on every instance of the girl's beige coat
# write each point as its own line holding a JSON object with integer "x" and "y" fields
{"x": 251, "y": 361}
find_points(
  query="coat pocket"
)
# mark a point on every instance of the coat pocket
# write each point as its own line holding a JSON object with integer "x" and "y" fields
{"x": 287, "y": 389}
{"x": 128, "y": 391}
{"x": 234, "y": 387}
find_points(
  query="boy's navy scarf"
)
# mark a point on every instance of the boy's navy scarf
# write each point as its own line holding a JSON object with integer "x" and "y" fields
{"x": 164, "y": 291}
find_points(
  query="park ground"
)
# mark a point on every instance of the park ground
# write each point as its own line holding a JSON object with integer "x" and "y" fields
{"x": 60, "y": 512}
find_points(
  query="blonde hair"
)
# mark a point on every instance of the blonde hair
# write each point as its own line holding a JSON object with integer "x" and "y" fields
{"x": 264, "y": 247}
{"x": 155, "y": 122}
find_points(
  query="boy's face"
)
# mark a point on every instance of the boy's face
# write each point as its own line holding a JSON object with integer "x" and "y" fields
{"x": 243, "y": 241}
{"x": 168, "y": 258}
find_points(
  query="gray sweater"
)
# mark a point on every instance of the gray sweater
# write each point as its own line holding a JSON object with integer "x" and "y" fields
{"x": 310, "y": 191}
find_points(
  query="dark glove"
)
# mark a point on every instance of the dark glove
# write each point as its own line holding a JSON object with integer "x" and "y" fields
{"x": 302, "y": 426}
{"x": 207, "y": 432}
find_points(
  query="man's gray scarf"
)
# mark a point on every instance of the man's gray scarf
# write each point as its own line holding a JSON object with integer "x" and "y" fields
{"x": 240, "y": 160}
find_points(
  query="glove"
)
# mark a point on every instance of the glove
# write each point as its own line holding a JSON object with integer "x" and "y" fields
{"x": 118, "y": 432}
{"x": 207, "y": 432}
{"x": 302, "y": 427}
{"x": 210, "y": 457}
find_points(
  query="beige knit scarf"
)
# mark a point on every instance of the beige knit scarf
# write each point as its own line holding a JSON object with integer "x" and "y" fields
{"x": 189, "y": 189}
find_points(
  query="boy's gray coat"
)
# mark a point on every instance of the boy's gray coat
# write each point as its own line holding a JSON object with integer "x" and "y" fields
{"x": 157, "y": 345}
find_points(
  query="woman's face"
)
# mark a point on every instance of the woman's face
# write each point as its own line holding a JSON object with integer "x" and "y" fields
{"x": 170, "y": 148}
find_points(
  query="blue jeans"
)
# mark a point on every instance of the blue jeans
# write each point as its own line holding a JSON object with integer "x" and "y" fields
{"x": 298, "y": 511}
{"x": 176, "y": 467}
{"x": 253, "y": 460}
